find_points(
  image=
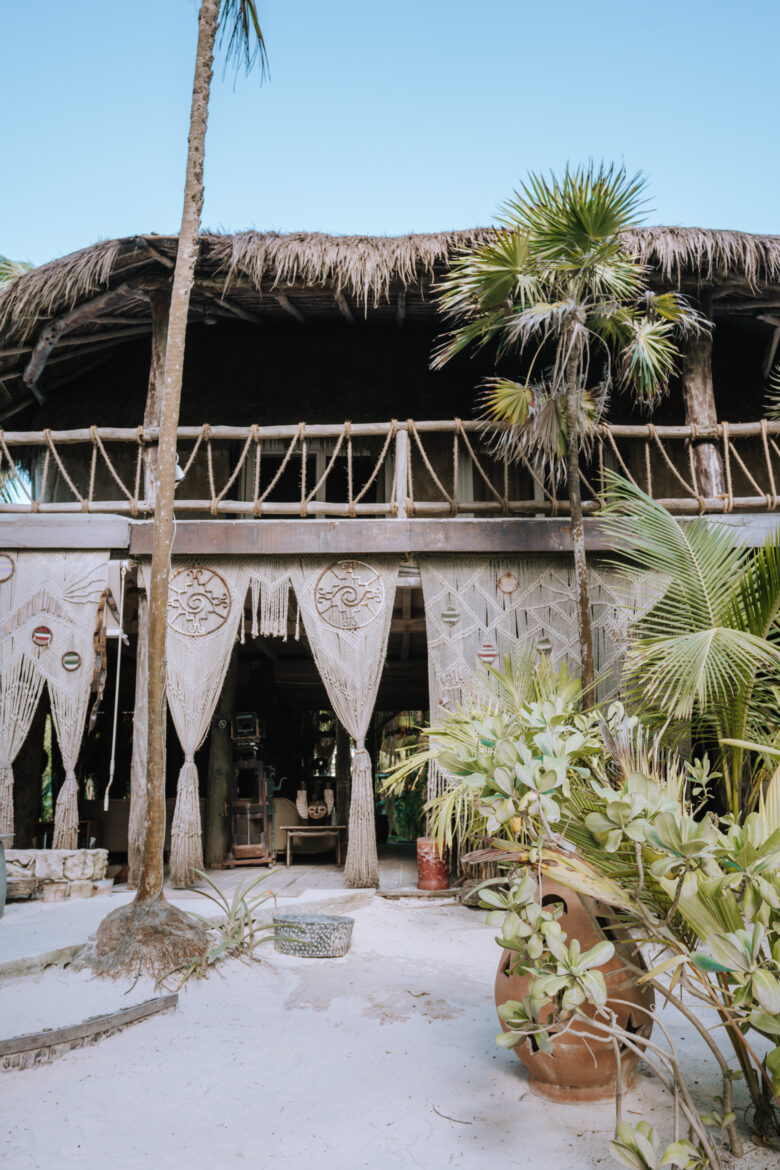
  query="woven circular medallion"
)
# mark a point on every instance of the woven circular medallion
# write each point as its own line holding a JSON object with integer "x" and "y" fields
{"x": 349, "y": 595}
{"x": 7, "y": 567}
{"x": 42, "y": 636}
{"x": 198, "y": 601}
{"x": 71, "y": 660}
{"x": 450, "y": 616}
{"x": 487, "y": 653}
{"x": 507, "y": 583}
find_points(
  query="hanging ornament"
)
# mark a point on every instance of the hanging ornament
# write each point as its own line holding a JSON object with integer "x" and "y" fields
{"x": 487, "y": 653}
{"x": 71, "y": 660}
{"x": 42, "y": 636}
{"x": 507, "y": 583}
{"x": 545, "y": 646}
{"x": 450, "y": 616}
{"x": 6, "y": 567}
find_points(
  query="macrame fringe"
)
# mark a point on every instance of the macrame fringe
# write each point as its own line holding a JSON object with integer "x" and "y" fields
{"x": 269, "y": 607}
{"x": 186, "y": 844}
{"x": 302, "y": 804}
{"x": 6, "y": 798}
{"x": 66, "y": 815}
{"x": 361, "y": 871}
{"x": 438, "y": 780}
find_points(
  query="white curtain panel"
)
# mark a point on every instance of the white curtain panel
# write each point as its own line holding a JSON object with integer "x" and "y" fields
{"x": 346, "y": 607}
{"x": 205, "y": 607}
{"x": 48, "y": 606}
{"x": 479, "y": 610}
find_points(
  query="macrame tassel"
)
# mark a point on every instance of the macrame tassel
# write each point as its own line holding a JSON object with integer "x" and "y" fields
{"x": 6, "y": 798}
{"x": 362, "y": 868}
{"x": 302, "y": 804}
{"x": 66, "y": 815}
{"x": 186, "y": 843}
{"x": 329, "y": 798}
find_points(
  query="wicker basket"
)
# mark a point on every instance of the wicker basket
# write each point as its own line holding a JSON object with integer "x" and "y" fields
{"x": 313, "y": 936}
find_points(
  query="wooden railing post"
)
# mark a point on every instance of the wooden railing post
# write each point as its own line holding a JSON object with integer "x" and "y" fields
{"x": 401, "y": 471}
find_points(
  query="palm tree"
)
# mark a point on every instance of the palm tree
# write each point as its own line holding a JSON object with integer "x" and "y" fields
{"x": 10, "y": 269}
{"x": 127, "y": 938}
{"x": 559, "y": 281}
{"x": 706, "y": 653}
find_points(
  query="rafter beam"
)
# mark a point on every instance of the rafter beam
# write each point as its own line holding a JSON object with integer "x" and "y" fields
{"x": 234, "y": 309}
{"x": 285, "y": 303}
{"x": 51, "y": 333}
{"x": 343, "y": 307}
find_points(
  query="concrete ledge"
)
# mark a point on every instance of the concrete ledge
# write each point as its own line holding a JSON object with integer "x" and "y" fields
{"x": 34, "y": 964}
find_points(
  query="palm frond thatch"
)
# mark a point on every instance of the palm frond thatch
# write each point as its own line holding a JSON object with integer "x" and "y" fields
{"x": 366, "y": 267}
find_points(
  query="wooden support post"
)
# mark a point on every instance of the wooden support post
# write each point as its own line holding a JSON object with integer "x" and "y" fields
{"x": 137, "y": 821}
{"x": 220, "y": 773}
{"x": 343, "y": 773}
{"x": 159, "y": 300}
{"x": 401, "y": 471}
{"x": 700, "y": 409}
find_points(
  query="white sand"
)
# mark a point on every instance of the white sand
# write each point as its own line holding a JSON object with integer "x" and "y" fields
{"x": 334, "y": 1064}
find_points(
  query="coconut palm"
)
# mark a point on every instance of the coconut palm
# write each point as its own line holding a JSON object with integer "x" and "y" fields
{"x": 10, "y": 269}
{"x": 706, "y": 653}
{"x": 235, "y": 23}
{"x": 558, "y": 281}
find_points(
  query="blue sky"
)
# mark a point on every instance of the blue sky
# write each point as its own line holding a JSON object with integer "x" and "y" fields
{"x": 382, "y": 117}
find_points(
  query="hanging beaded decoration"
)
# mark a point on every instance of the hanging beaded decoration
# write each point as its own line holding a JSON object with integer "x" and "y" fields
{"x": 6, "y": 567}
{"x": 507, "y": 583}
{"x": 487, "y": 653}
{"x": 71, "y": 660}
{"x": 42, "y": 636}
{"x": 450, "y": 616}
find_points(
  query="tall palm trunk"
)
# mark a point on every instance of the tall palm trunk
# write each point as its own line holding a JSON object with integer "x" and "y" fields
{"x": 577, "y": 529}
{"x": 150, "y": 882}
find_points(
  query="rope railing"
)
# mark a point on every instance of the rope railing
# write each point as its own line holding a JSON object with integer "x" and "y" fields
{"x": 392, "y": 469}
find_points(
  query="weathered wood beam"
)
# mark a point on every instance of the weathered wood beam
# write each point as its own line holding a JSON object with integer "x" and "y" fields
{"x": 235, "y": 310}
{"x": 700, "y": 411}
{"x": 150, "y": 249}
{"x": 285, "y": 303}
{"x": 51, "y": 333}
{"x": 343, "y": 307}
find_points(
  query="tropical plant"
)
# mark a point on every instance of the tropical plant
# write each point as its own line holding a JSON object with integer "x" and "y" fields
{"x": 558, "y": 281}
{"x": 706, "y": 653}
{"x": 236, "y": 23}
{"x": 592, "y": 800}
{"x": 237, "y": 934}
{"x": 10, "y": 269}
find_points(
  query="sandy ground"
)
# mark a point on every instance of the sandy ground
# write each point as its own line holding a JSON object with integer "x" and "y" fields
{"x": 383, "y": 1059}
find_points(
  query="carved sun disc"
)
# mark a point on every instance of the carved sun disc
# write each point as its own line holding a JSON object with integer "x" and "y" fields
{"x": 349, "y": 595}
{"x": 198, "y": 602}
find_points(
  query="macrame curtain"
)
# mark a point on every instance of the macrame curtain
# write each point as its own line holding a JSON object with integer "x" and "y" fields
{"x": 346, "y": 609}
{"x": 205, "y": 607}
{"x": 478, "y": 610}
{"x": 48, "y": 613}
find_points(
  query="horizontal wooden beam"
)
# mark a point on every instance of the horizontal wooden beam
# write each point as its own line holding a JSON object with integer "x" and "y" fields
{"x": 65, "y": 532}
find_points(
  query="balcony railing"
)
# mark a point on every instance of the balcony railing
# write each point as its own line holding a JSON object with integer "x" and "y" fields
{"x": 385, "y": 470}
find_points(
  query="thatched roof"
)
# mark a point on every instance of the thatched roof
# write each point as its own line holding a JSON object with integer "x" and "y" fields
{"x": 256, "y": 274}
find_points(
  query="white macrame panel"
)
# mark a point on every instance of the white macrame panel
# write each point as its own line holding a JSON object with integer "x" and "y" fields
{"x": 205, "y": 606}
{"x": 346, "y": 607}
{"x": 48, "y": 609}
{"x": 478, "y": 610}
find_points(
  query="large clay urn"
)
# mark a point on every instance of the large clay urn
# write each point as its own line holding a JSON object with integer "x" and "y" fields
{"x": 580, "y": 1069}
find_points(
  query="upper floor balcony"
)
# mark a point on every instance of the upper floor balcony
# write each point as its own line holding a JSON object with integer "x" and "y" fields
{"x": 398, "y": 469}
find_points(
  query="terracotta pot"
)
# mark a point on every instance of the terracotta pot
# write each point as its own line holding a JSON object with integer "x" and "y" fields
{"x": 432, "y": 868}
{"x": 579, "y": 1069}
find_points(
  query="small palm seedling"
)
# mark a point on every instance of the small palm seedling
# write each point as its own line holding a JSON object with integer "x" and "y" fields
{"x": 237, "y": 935}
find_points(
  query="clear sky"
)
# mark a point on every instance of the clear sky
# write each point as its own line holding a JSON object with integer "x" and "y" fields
{"x": 406, "y": 115}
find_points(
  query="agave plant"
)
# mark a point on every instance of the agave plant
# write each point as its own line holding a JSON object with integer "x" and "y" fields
{"x": 558, "y": 284}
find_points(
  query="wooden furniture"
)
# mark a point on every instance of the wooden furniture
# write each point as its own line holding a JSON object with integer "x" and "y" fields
{"x": 325, "y": 832}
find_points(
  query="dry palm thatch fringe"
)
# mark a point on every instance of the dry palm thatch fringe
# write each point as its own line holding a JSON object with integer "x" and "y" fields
{"x": 361, "y": 871}
{"x": 365, "y": 267}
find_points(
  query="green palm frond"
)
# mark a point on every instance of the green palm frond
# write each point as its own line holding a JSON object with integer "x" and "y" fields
{"x": 772, "y": 401}
{"x": 241, "y": 36}
{"x": 10, "y": 269}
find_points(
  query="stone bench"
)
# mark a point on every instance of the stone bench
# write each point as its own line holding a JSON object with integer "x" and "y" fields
{"x": 68, "y": 873}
